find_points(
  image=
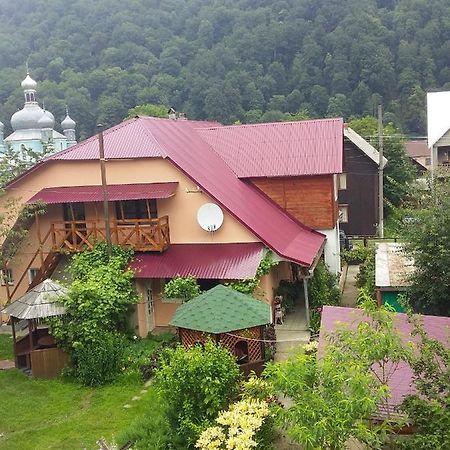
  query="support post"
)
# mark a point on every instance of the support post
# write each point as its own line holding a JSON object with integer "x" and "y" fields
{"x": 13, "y": 326}
{"x": 380, "y": 174}
{"x": 104, "y": 189}
{"x": 38, "y": 230}
{"x": 305, "y": 290}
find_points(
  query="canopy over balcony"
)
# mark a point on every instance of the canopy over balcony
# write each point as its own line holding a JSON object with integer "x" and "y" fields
{"x": 115, "y": 192}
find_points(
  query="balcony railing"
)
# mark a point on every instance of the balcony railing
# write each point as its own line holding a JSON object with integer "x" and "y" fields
{"x": 143, "y": 235}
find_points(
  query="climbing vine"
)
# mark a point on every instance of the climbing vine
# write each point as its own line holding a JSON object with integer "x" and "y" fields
{"x": 249, "y": 285}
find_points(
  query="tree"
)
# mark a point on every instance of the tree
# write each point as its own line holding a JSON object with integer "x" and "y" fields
{"x": 149, "y": 109}
{"x": 334, "y": 395}
{"x": 428, "y": 233}
{"x": 429, "y": 408}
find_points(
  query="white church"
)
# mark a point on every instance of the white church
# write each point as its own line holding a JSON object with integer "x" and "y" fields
{"x": 34, "y": 127}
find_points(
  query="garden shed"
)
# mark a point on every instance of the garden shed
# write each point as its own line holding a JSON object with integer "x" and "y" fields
{"x": 393, "y": 269}
{"x": 235, "y": 320}
{"x": 35, "y": 349}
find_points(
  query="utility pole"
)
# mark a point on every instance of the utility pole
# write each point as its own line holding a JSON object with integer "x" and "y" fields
{"x": 380, "y": 173}
{"x": 101, "y": 147}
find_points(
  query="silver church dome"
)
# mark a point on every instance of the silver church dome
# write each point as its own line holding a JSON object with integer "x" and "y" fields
{"x": 28, "y": 83}
{"x": 27, "y": 118}
{"x": 68, "y": 123}
{"x": 47, "y": 120}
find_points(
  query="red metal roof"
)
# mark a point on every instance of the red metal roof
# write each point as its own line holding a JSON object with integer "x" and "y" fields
{"x": 417, "y": 148}
{"x": 210, "y": 261}
{"x": 193, "y": 156}
{"x": 180, "y": 142}
{"x": 400, "y": 381}
{"x": 309, "y": 147}
{"x": 74, "y": 194}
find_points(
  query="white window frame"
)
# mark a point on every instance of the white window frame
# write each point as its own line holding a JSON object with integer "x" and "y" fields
{"x": 343, "y": 213}
{"x": 31, "y": 277}
{"x": 6, "y": 276}
{"x": 342, "y": 181}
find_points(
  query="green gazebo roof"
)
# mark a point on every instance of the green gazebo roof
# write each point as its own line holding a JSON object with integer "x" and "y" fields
{"x": 220, "y": 310}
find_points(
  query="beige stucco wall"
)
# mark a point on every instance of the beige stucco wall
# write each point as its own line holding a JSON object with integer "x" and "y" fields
{"x": 181, "y": 208}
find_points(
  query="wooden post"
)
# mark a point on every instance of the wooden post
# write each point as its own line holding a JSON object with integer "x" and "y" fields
{"x": 13, "y": 326}
{"x": 39, "y": 236}
{"x": 30, "y": 340}
{"x": 380, "y": 174}
{"x": 104, "y": 189}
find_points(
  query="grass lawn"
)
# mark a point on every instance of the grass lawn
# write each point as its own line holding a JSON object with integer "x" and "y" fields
{"x": 6, "y": 346}
{"x": 59, "y": 414}
{"x": 62, "y": 414}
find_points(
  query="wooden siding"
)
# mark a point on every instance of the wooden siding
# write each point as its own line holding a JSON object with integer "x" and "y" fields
{"x": 309, "y": 199}
{"x": 361, "y": 194}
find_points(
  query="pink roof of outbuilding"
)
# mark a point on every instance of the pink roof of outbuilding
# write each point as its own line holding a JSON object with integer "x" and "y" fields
{"x": 401, "y": 379}
{"x": 309, "y": 147}
{"x": 417, "y": 148}
{"x": 180, "y": 142}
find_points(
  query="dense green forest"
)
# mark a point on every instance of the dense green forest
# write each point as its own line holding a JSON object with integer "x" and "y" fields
{"x": 247, "y": 60}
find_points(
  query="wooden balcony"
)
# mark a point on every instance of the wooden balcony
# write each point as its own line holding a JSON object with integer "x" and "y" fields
{"x": 143, "y": 235}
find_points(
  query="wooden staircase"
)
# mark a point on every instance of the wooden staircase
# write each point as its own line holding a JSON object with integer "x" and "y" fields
{"x": 47, "y": 268}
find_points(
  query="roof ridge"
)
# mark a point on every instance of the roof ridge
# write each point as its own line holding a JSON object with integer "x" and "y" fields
{"x": 287, "y": 122}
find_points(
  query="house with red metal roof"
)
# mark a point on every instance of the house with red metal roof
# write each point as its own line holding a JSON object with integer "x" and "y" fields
{"x": 160, "y": 175}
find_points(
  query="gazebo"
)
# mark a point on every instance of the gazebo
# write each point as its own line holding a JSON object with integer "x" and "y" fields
{"x": 224, "y": 315}
{"x": 36, "y": 351}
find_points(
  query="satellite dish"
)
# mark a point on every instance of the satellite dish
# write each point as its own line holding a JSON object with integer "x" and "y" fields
{"x": 210, "y": 217}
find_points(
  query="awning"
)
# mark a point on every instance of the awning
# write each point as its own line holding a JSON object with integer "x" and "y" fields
{"x": 78, "y": 194}
{"x": 206, "y": 261}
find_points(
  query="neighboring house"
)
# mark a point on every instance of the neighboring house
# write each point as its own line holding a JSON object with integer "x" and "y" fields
{"x": 392, "y": 271}
{"x": 358, "y": 186}
{"x": 400, "y": 378}
{"x": 34, "y": 127}
{"x": 438, "y": 121}
{"x": 159, "y": 173}
{"x": 419, "y": 153}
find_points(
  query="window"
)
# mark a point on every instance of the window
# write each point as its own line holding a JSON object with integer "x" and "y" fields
{"x": 427, "y": 161}
{"x": 241, "y": 352}
{"x": 342, "y": 181}
{"x": 32, "y": 274}
{"x": 7, "y": 277}
{"x": 136, "y": 209}
{"x": 343, "y": 213}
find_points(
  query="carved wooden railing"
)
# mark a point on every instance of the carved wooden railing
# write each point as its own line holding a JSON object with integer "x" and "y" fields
{"x": 142, "y": 235}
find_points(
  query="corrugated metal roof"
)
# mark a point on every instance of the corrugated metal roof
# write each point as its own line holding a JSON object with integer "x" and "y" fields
{"x": 181, "y": 143}
{"x": 39, "y": 302}
{"x": 393, "y": 267}
{"x": 193, "y": 156}
{"x": 417, "y": 148}
{"x": 221, "y": 310}
{"x": 207, "y": 261}
{"x": 401, "y": 375}
{"x": 309, "y": 147}
{"x": 74, "y": 194}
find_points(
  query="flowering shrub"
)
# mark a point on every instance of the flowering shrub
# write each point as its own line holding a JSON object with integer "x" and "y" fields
{"x": 237, "y": 427}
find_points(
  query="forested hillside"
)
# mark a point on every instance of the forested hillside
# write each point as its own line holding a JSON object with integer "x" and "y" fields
{"x": 228, "y": 60}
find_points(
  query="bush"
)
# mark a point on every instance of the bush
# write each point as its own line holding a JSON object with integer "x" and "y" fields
{"x": 184, "y": 288}
{"x": 366, "y": 275}
{"x": 357, "y": 255}
{"x": 323, "y": 290}
{"x": 196, "y": 384}
{"x": 99, "y": 361}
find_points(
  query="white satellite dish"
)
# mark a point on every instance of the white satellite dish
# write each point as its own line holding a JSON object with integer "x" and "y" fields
{"x": 210, "y": 217}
